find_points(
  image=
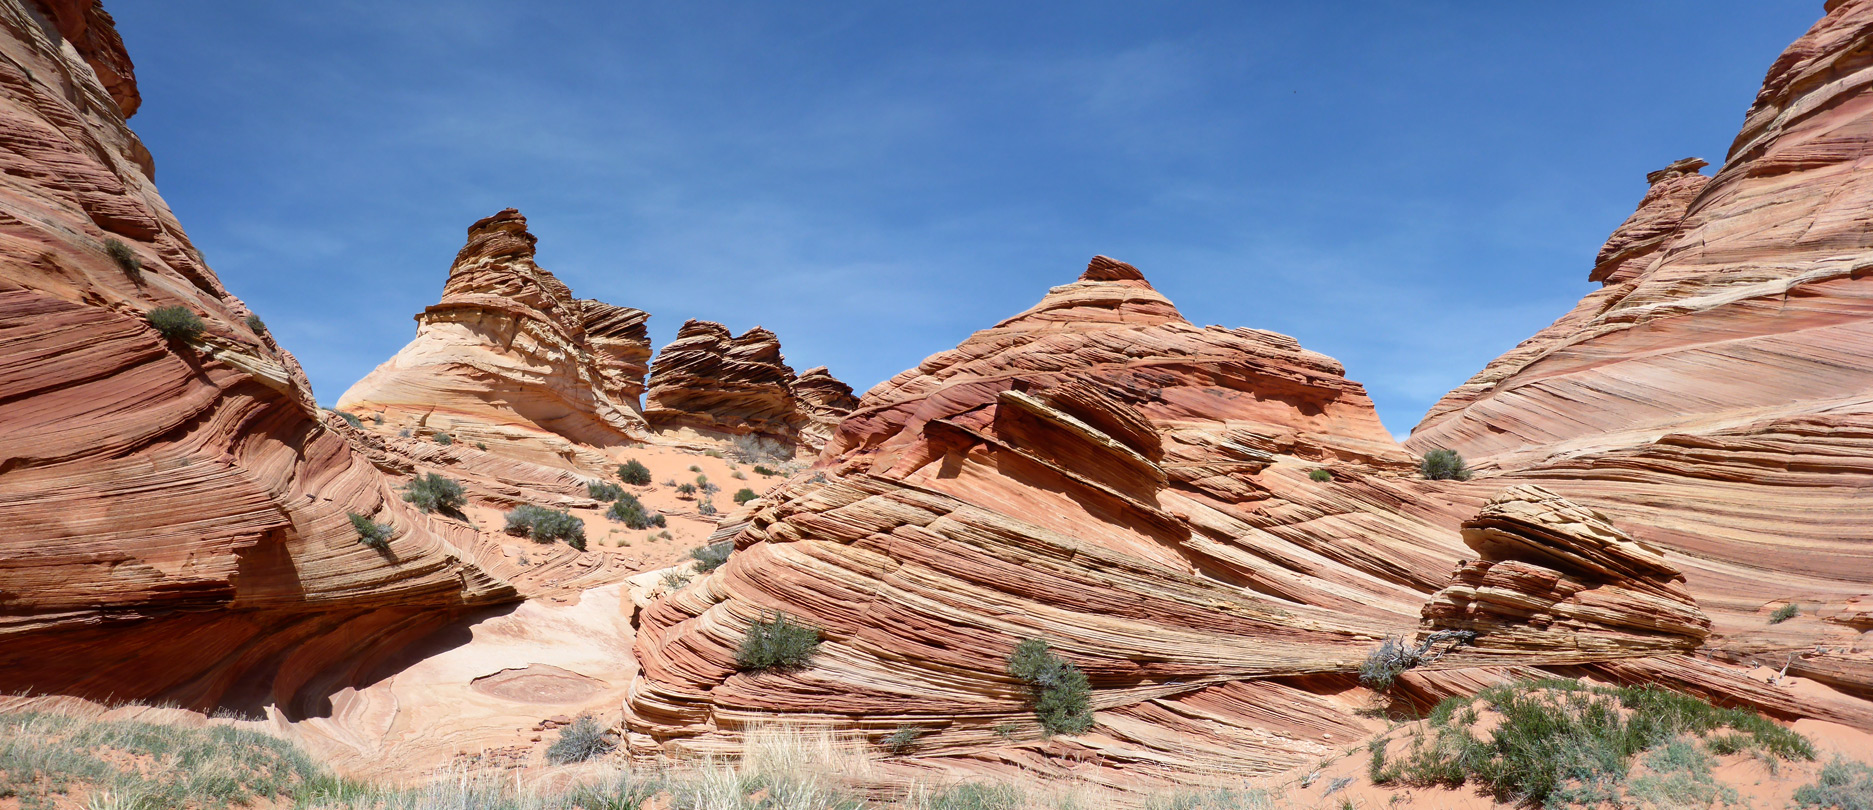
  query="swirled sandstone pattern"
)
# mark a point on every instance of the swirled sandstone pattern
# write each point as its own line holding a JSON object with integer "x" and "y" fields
{"x": 711, "y": 384}
{"x": 172, "y": 512}
{"x": 1099, "y": 472}
{"x": 510, "y": 358}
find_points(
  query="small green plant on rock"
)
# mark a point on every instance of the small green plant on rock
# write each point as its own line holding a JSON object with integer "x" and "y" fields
{"x": 712, "y": 556}
{"x": 584, "y": 739}
{"x": 1320, "y": 475}
{"x": 1059, "y": 691}
{"x": 1444, "y": 465}
{"x": 176, "y": 322}
{"x": 255, "y": 325}
{"x": 1784, "y": 613}
{"x": 352, "y": 418}
{"x": 434, "y": 493}
{"x": 777, "y": 641}
{"x": 444, "y": 439}
{"x": 375, "y": 535}
{"x": 634, "y": 472}
{"x": 901, "y": 741}
{"x": 125, "y": 258}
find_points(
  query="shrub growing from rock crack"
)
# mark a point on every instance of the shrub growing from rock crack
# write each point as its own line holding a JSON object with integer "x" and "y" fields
{"x": 375, "y": 535}
{"x": 255, "y": 325}
{"x": 1059, "y": 691}
{"x": 712, "y": 556}
{"x": 1784, "y": 613}
{"x": 634, "y": 472}
{"x": 125, "y": 258}
{"x": 1394, "y": 655}
{"x": 1320, "y": 475}
{"x": 176, "y": 322}
{"x": 350, "y": 417}
{"x": 444, "y": 438}
{"x": 583, "y": 740}
{"x": 1443, "y": 464}
{"x": 901, "y": 741}
{"x": 777, "y": 641}
{"x": 434, "y": 493}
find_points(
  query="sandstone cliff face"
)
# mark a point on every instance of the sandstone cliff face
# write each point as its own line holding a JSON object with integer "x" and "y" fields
{"x": 1095, "y": 471}
{"x": 716, "y": 385}
{"x": 511, "y": 359}
{"x": 1717, "y": 395}
{"x": 172, "y": 512}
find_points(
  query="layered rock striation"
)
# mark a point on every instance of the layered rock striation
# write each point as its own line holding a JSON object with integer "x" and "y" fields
{"x": 715, "y": 385}
{"x": 1717, "y": 394}
{"x": 1556, "y": 582}
{"x": 509, "y": 357}
{"x": 173, "y": 508}
{"x": 1097, "y": 472}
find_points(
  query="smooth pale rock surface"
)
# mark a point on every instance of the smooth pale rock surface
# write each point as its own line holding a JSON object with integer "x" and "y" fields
{"x": 172, "y": 513}
{"x": 510, "y": 358}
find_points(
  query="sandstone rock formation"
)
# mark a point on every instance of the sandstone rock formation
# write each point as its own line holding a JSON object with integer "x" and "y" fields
{"x": 173, "y": 512}
{"x": 823, "y": 402}
{"x": 1717, "y": 395}
{"x": 511, "y": 359}
{"x": 1095, "y": 471}
{"x": 1557, "y": 583}
{"x": 716, "y": 385}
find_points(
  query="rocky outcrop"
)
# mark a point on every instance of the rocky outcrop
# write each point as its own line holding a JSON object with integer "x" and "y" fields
{"x": 823, "y": 402}
{"x": 1717, "y": 394}
{"x": 1555, "y": 582}
{"x": 716, "y": 385}
{"x": 1098, "y": 472}
{"x": 509, "y": 358}
{"x": 173, "y": 510}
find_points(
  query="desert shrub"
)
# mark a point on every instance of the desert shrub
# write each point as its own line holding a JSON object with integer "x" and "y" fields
{"x": 378, "y": 419}
{"x": 375, "y": 535}
{"x": 712, "y": 453}
{"x": 603, "y": 491}
{"x": 481, "y": 445}
{"x": 674, "y": 579}
{"x": 1222, "y": 798}
{"x": 706, "y": 508}
{"x": 350, "y": 417}
{"x": 634, "y": 472}
{"x": 695, "y": 469}
{"x": 1320, "y": 475}
{"x": 255, "y": 325}
{"x": 758, "y": 449}
{"x": 1784, "y": 613}
{"x": 975, "y": 796}
{"x": 702, "y": 483}
{"x": 444, "y": 438}
{"x": 686, "y": 490}
{"x": 738, "y": 475}
{"x": 1842, "y": 784}
{"x": 777, "y": 641}
{"x": 584, "y": 739}
{"x": 1394, "y": 655}
{"x": 176, "y": 322}
{"x": 434, "y": 493}
{"x": 902, "y": 740}
{"x": 760, "y": 470}
{"x": 1573, "y": 743}
{"x": 745, "y": 495}
{"x": 712, "y": 556}
{"x": 1060, "y": 694}
{"x": 1442, "y": 464}
{"x": 125, "y": 258}
{"x": 631, "y": 512}
{"x": 546, "y": 525}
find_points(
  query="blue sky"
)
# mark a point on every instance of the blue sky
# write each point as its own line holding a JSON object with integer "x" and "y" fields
{"x": 1411, "y": 187}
